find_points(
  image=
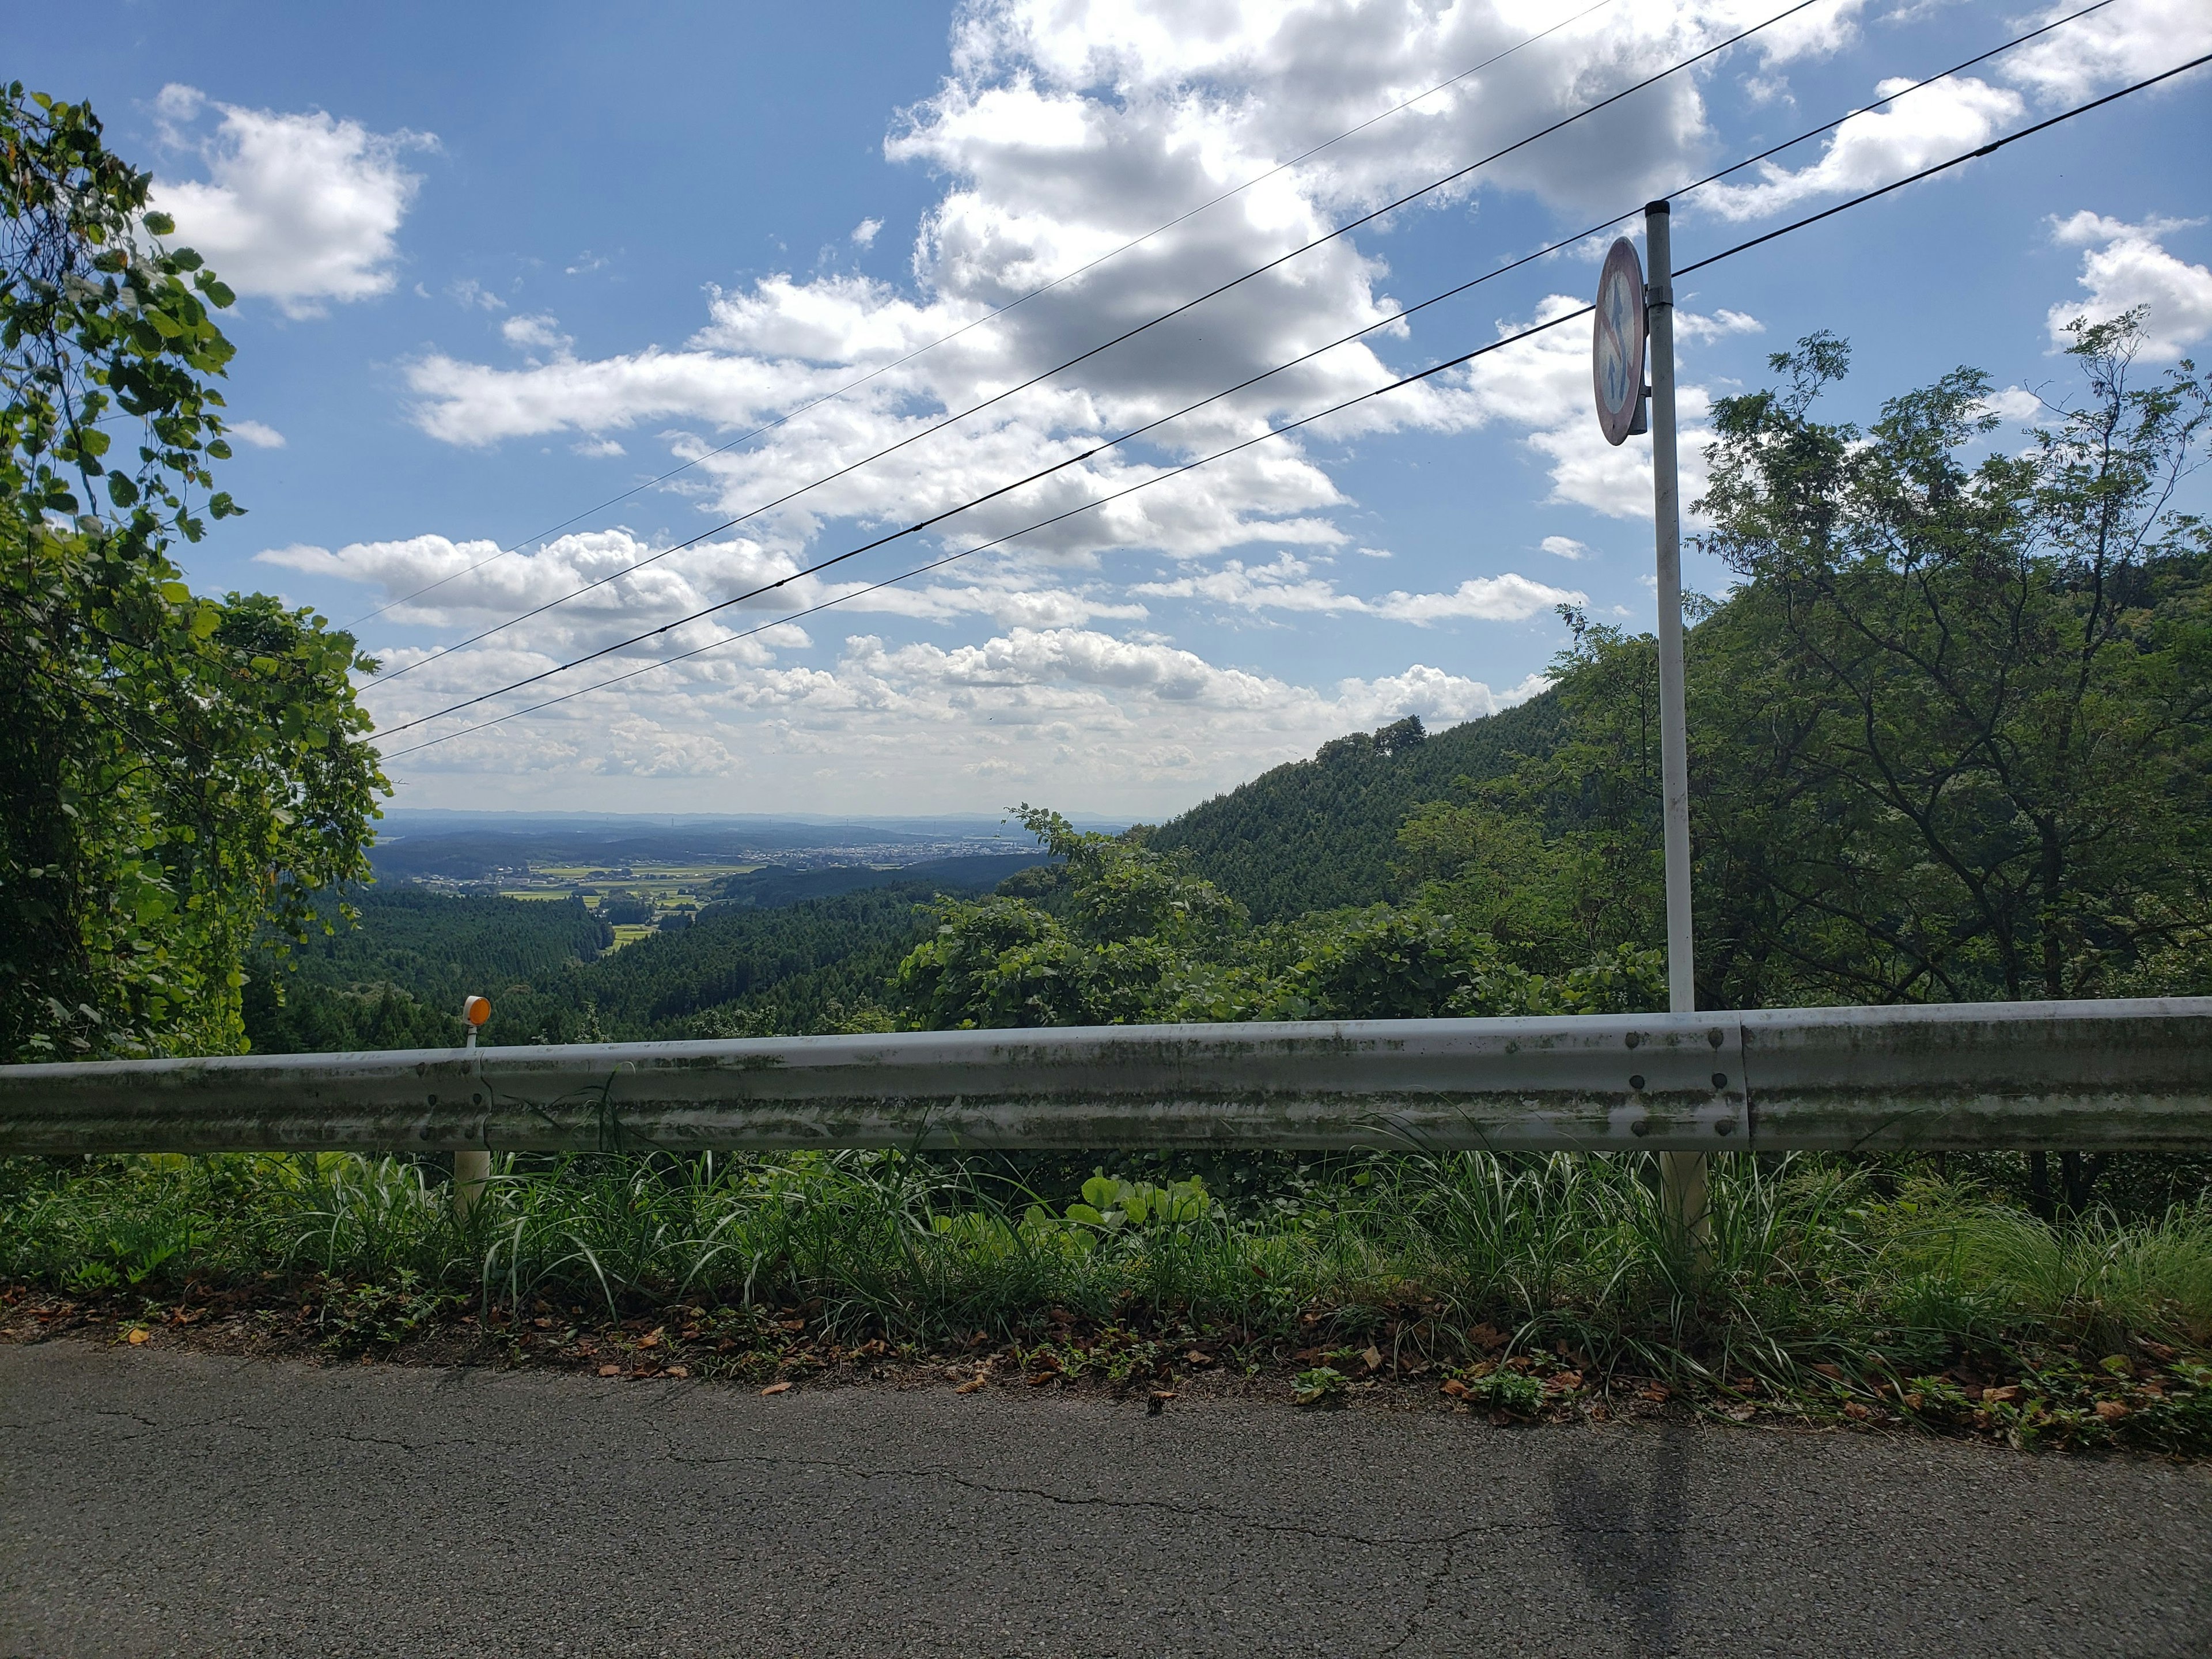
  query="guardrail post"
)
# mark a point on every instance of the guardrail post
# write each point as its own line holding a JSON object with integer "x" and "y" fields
{"x": 471, "y": 1165}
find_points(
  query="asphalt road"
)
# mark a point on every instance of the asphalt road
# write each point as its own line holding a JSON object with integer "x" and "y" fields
{"x": 156, "y": 1502}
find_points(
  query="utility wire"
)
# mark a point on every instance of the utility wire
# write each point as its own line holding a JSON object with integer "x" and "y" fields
{"x": 1126, "y": 437}
{"x": 1301, "y": 157}
{"x": 1335, "y": 408}
{"x": 945, "y": 421}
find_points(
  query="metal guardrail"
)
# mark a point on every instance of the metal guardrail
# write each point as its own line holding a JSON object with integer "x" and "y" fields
{"x": 2078, "y": 1075}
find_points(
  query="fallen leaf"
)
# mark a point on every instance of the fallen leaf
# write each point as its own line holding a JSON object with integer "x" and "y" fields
{"x": 777, "y": 1388}
{"x": 2003, "y": 1396}
{"x": 610, "y": 1370}
{"x": 1855, "y": 1412}
{"x": 1738, "y": 1413}
{"x": 136, "y": 1338}
{"x": 2110, "y": 1410}
{"x": 973, "y": 1383}
{"x": 1833, "y": 1372}
{"x": 2157, "y": 1351}
{"x": 1455, "y": 1388}
{"x": 679, "y": 1370}
{"x": 1040, "y": 1378}
{"x": 651, "y": 1341}
{"x": 1200, "y": 1360}
{"x": 1563, "y": 1382}
{"x": 1486, "y": 1336}
{"x": 1658, "y": 1393}
{"x": 1373, "y": 1357}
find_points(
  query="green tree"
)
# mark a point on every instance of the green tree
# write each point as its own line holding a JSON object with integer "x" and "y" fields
{"x": 1950, "y": 737}
{"x": 1132, "y": 936}
{"x": 179, "y": 771}
{"x": 1973, "y": 698}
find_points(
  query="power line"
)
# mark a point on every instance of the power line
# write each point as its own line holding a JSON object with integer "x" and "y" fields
{"x": 1164, "y": 420}
{"x": 992, "y": 315}
{"x": 1411, "y": 379}
{"x": 1335, "y": 408}
{"x": 948, "y": 421}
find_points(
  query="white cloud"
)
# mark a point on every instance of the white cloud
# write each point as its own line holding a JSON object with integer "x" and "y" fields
{"x": 1544, "y": 384}
{"x": 539, "y": 333}
{"x": 470, "y": 292}
{"x": 1564, "y": 547}
{"x": 863, "y": 234}
{"x": 1065, "y": 715}
{"x": 1288, "y": 585}
{"x": 254, "y": 433}
{"x": 299, "y": 209}
{"x": 1875, "y": 146}
{"x": 1066, "y": 128}
{"x": 2119, "y": 44}
{"x": 2124, "y": 266}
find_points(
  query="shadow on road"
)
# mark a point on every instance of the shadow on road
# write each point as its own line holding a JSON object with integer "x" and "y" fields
{"x": 1619, "y": 1503}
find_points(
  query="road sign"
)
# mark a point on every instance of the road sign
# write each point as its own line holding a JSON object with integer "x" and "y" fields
{"x": 1616, "y": 342}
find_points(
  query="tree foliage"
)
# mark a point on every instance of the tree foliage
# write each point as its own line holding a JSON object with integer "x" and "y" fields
{"x": 180, "y": 770}
{"x": 1950, "y": 737}
{"x": 1316, "y": 834}
{"x": 1133, "y": 935}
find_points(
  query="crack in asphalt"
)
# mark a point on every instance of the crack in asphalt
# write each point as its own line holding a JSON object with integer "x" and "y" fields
{"x": 1446, "y": 1540}
{"x": 1438, "y": 1575}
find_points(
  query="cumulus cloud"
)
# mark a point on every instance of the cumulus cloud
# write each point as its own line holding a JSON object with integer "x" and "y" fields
{"x": 1564, "y": 547}
{"x": 1288, "y": 583}
{"x": 299, "y": 209}
{"x": 2123, "y": 266}
{"x": 863, "y": 234}
{"x": 255, "y": 434}
{"x": 1064, "y": 130}
{"x": 1066, "y": 713}
{"x": 1545, "y": 386}
{"x": 2118, "y": 43}
{"x": 539, "y": 333}
{"x": 1877, "y": 146}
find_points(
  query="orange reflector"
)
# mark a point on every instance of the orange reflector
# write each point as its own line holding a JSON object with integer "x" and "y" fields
{"x": 476, "y": 1010}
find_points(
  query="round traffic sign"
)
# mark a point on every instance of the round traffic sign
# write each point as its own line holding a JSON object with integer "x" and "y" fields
{"x": 1616, "y": 342}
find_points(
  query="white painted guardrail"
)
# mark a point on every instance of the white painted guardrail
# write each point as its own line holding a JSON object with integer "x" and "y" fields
{"x": 2088, "y": 1075}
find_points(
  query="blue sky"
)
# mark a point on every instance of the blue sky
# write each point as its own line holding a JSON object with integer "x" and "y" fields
{"x": 499, "y": 264}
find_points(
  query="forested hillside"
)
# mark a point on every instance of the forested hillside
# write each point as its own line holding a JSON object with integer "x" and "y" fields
{"x": 397, "y": 979}
{"x": 1320, "y": 834}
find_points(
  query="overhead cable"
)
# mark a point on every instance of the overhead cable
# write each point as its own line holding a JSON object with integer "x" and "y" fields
{"x": 995, "y": 313}
{"x": 947, "y": 421}
{"x": 1336, "y": 408}
{"x": 1129, "y": 436}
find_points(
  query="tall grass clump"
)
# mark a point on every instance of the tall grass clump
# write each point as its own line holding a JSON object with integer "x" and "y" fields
{"x": 1813, "y": 1262}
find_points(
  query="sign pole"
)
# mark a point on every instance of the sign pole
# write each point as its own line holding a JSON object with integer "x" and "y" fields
{"x": 1682, "y": 1174}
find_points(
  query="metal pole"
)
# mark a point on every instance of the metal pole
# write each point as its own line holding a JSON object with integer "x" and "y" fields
{"x": 1682, "y": 1174}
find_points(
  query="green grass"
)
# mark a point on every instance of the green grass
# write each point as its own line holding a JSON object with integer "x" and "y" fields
{"x": 1826, "y": 1282}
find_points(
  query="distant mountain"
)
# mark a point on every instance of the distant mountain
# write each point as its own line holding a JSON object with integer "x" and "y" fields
{"x": 1319, "y": 834}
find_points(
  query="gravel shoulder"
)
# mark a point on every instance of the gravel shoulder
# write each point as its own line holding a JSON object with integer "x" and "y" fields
{"x": 163, "y": 1501}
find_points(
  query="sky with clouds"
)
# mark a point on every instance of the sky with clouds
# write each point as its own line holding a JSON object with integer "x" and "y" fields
{"x": 503, "y": 270}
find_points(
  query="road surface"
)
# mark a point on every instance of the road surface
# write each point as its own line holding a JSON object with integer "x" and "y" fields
{"x": 158, "y": 1502}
